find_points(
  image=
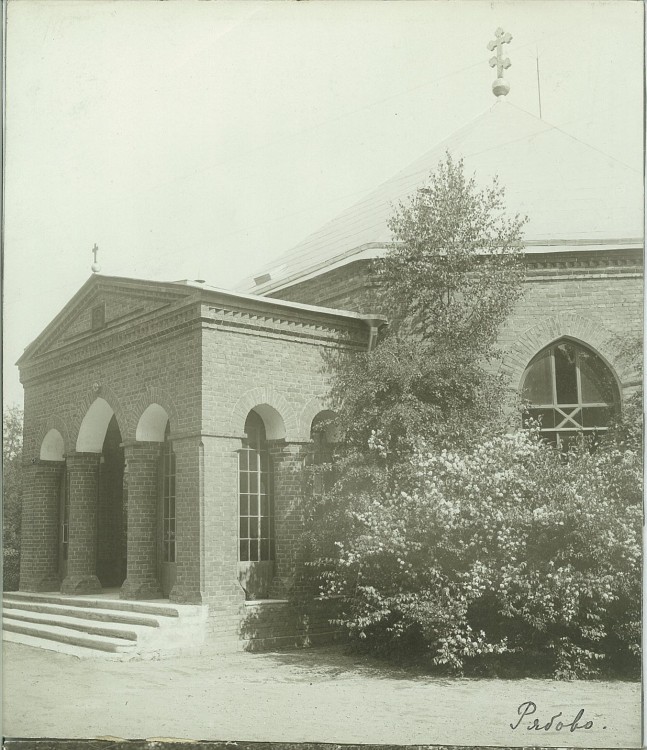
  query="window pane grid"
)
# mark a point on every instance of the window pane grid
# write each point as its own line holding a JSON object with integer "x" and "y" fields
{"x": 255, "y": 518}
{"x": 168, "y": 503}
{"x": 574, "y": 373}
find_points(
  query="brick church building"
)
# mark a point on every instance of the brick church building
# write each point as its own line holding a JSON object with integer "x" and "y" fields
{"x": 166, "y": 424}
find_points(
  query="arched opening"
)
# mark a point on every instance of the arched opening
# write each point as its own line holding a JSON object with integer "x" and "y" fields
{"x": 153, "y": 424}
{"x": 99, "y": 433}
{"x": 272, "y": 421}
{"x": 112, "y": 516}
{"x": 570, "y": 390}
{"x": 52, "y": 447}
{"x": 94, "y": 426}
{"x": 256, "y": 528}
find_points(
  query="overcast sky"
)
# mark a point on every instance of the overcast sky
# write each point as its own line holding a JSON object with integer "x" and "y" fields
{"x": 200, "y": 139}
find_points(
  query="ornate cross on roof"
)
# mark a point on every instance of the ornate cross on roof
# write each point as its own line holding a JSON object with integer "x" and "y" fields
{"x": 500, "y": 87}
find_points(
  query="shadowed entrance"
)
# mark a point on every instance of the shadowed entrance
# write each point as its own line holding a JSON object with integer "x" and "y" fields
{"x": 111, "y": 511}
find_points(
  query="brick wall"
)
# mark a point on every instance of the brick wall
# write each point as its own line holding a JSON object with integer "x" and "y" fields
{"x": 282, "y": 624}
{"x": 593, "y": 296}
{"x": 190, "y": 581}
{"x": 282, "y": 373}
{"x": 288, "y": 462}
{"x": 166, "y": 370}
{"x": 207, "y": 365}
{"x": 350, "y": 287}
{"x": 601, "y": 309}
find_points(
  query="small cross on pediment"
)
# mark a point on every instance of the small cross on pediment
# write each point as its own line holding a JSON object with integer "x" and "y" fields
{"x": 95, "y": 264}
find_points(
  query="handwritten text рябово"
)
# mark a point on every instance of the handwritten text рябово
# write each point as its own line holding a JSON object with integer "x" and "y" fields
{"x": 528, "y": 708}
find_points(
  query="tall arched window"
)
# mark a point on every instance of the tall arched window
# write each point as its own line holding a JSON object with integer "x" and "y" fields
{"x": 168, "y": 498}
{"x": 570, "y": 390}
{"x": 256, "y": 533}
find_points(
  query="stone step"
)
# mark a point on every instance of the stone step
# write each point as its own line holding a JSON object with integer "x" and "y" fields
{"x": 68, "y": 637}
{"x": 161, "y": 609}
{"x": 78, "y": 652}
{"x": 102, "y": 627}
{"x": 102, "y": 615}
{"x": 71, "y": 624}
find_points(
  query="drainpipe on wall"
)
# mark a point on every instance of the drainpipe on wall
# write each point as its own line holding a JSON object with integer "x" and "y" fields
{"x": 374, "y": 323}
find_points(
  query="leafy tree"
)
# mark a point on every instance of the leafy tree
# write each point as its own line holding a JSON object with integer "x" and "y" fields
{"x": 451, "y": 278}
{"x": 455, "y": 270}
{"x": 448, "y": 537}
{"x": 12, "y": 494}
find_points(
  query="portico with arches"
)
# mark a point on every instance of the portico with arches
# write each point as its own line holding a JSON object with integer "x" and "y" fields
{"x": 164, "y": 450}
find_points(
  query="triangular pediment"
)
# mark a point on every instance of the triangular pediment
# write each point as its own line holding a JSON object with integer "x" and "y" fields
{"x": 103, "y": 304}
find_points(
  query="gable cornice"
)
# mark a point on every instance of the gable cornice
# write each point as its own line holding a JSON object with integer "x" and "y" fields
{"x": 189, "y": 308}
{"x": 92, "y": 287}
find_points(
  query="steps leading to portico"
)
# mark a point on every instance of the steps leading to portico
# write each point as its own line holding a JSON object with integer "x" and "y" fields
{"x": 103, "y": 625}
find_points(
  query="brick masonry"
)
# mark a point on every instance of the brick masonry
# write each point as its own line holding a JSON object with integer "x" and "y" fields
{"x": 143, "y": 462}
{"x": 288, "y": 464}
{"x": 350, "y": 287}
{"x": 206, "y": 359}
{"x": 83, "y": 475}
{"x": 283, "y": 624}
{"x": 40, "y": 512}
{"x": 594, "y": 297}
{"x": 602, "y": 311}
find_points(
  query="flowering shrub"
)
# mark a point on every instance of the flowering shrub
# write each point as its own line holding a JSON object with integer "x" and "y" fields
{"x": 491, "y": 554}
{"x": 499, "y": 556}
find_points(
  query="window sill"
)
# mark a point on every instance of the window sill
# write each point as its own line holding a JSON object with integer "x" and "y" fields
{"x": 264, "y": 602}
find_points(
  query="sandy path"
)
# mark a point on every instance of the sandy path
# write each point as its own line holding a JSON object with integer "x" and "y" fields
{"x": 317, "y": 695}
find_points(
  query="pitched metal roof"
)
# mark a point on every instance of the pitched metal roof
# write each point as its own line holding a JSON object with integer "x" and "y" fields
{"x": 573, "y": 194}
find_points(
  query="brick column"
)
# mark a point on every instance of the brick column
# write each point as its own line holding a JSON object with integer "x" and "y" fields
{"x": 39, "y": 526}
{"x": 83, "y": 476}
{"x": 189, "y": 514}
{"x": 222, "y": 591}
{"x": 142, "y": 460}
{"x": 287, "y": 468}
{"x": 221, "y": 519}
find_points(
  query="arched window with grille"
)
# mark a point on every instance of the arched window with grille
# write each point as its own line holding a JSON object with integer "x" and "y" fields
{"x": 256, "y": 528}
{"x": 569, "y": 390}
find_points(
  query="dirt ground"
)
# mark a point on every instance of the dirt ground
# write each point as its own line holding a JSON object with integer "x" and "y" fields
{"x": 316, "y": 695}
